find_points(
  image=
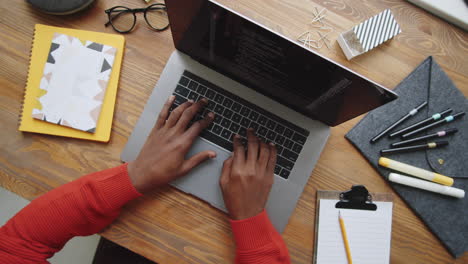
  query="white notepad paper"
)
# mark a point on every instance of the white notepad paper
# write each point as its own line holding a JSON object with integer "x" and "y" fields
{"x": 369, "y": 234}
{"x": 74, "y": 82}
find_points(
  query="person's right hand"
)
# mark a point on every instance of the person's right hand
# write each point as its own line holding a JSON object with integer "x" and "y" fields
{"x": 247, "y": 178}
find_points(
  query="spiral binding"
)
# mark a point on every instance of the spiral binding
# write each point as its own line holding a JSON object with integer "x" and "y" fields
{"x": 25, "y": 93}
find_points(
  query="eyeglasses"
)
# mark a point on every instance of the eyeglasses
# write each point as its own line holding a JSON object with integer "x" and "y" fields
{"x": 123, "y": 19}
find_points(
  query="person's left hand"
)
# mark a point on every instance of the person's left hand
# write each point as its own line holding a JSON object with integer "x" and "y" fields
{"x": 162, "y": 158}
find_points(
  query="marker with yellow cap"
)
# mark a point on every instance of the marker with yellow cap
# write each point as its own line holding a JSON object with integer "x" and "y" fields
{"x": 430, "y": 145}
{"x": 415, "y": 171}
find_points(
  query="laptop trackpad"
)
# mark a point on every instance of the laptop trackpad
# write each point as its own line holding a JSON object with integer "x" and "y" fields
{"x": 203, "y": 181}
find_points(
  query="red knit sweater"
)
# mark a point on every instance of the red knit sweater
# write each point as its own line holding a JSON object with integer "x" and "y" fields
{"x": 87, "y": 205}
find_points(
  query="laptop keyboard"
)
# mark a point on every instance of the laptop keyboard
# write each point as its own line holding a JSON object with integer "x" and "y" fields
{"x": 233, "y": 115}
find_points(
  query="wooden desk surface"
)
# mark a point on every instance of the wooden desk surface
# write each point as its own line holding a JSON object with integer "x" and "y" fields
{"x": 168, "y": 226}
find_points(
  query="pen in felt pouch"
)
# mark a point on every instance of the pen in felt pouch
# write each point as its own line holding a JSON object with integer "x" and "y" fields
{"x": 424, "y": 122}
{"x": 401, "y": 120}
{"x": 429, "y": 145}
{"x": 447, "y": 119}
{"x": 442, "y": 133}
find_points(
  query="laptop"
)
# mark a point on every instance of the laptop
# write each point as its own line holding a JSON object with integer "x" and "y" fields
{"x": 454, "y": 11}
{"x": 253, "y": 78}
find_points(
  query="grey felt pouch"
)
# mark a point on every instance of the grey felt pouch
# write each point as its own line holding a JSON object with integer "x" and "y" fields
{"x": 447, "y": 217}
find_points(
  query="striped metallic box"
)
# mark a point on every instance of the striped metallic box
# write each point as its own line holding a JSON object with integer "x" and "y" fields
{"x": 369, "y": 34}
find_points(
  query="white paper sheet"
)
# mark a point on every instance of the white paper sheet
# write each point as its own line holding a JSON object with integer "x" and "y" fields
{"x": 74, "y": 82}
{"x": 369, "y": 234}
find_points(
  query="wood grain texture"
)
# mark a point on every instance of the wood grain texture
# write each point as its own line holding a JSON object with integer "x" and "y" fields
{"x": 169, "y": 226}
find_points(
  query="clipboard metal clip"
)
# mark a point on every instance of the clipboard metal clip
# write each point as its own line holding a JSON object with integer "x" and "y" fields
{"x": 356, "y": 198}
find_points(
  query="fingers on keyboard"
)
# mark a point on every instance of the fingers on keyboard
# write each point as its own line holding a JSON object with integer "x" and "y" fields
{"x": 235, "y": 116}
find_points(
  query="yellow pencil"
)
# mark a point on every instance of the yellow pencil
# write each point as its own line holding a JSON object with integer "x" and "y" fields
{"x": 345, "y": 238}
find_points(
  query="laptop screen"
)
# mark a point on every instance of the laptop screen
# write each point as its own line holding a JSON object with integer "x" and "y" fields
{"x": 271, "y": 64}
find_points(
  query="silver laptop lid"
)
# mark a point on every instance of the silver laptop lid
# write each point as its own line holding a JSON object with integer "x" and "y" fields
{"x": 271, "y": 64}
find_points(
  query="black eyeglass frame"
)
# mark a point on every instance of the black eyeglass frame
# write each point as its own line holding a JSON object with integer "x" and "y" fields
{"x": 145, "y": 10}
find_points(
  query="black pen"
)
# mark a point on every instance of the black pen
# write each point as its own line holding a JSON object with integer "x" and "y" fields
{"x": 401, "y": 120}
{"x": 442, "y": 133}
{"x": 424, "y": 122}
{"x": 430, "y": 145}
{"x": 447, "y": 119}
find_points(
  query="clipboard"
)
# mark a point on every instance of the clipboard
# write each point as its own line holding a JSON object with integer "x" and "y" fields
{"x": 357, "y": 199}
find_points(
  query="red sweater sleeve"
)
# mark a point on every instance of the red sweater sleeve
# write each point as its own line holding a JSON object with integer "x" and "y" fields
{"x": 79, "y": 208}
{"x": 87, "y": 205}
{"x": 258, "y": 242}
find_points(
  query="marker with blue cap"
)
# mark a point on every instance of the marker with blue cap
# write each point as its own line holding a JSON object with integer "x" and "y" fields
{"x": 447, "y": 119}
{"x": 424, "y": 122}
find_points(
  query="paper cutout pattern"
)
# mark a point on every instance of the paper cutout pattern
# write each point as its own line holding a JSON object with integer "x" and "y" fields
{"x": 74, "y": 82}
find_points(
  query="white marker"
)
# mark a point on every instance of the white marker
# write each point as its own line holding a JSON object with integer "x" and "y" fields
{"x": 425, "y": 185}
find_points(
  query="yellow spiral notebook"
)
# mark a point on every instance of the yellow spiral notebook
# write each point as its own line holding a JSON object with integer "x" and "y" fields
{"x": 39, "y": 54}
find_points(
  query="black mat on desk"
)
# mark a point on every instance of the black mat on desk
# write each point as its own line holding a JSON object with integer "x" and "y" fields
{"x": 447, "y": 217}
{"x": 108, "y": 252}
